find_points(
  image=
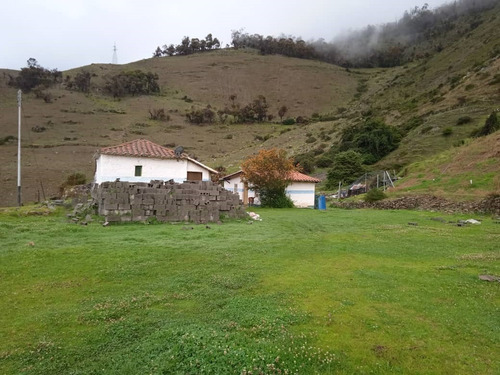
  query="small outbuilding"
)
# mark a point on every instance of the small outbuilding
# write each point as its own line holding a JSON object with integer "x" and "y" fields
{"x": 142, "y": 161}
{"x": 301, "y": 189}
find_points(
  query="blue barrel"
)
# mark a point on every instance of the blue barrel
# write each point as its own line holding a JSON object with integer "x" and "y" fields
{"x": 322, "y": 202}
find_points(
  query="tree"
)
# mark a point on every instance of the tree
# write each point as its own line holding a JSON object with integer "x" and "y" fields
{"x": 282, "y": 112}
{"x": 169, "y": 50}
{"x": 374, "y": 139}
{"x": 216, "y": 43}
{"x": 195, "y": 45}
{"x": 260, "y": 106}
{"x": 158, "y": 52}
{"x": 269, "y": 173}
{"x": 82, "y": 81}
{"x": 209, "y": 41}
{"x": 346, "y": 167}
{"x": 35, "y": 76}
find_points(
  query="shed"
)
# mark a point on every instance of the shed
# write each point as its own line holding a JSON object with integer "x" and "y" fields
{"x": 301, "y": 189}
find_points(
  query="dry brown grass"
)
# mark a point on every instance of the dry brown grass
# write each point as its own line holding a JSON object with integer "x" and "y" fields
{"x": 77, "y": 125}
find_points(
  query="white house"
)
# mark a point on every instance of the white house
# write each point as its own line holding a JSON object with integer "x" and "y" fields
{"x": 301, "y": 190}
{"x": 142, "y": 161}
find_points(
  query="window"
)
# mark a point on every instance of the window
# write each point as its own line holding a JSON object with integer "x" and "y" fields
{"x": 235, "y": 188}
{"x": 194, "y": 176}
{"x": 138, "y": 170}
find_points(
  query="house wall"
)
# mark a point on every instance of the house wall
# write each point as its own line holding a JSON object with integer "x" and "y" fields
{"x": 110, "y": 167}
{"x": 302, "y": 193}
{"x": 229, "y": 185}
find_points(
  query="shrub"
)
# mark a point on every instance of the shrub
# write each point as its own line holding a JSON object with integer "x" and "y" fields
{"x": 464, "y": 120}
{"x": 324, "y": 161}
{"x": 35, "y": 76}
{"x": 490, "y": 126}
{"x": 426, "y": 129}
{"x": 447, "y": 132}
{"x": 311, "y": 140}
{"x": 158, "y": 115}
{"x": 7, "y": 139}
{"x": 132, "y": 83}
{"x": 346, "y": 167}
{"x": 289, "y": 121}
{"x": 275, "y": 199}
{"x": 73, "y": 180}
{"x": 412, "y": 123}
{"x": 374, "y": 195}
{"x": 373, "y": 138}
{"x": 302, "y": 120}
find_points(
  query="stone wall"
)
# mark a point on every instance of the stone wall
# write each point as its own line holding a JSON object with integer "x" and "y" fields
{"x": 489, "y": 205}
{"x": 197, "y": 201}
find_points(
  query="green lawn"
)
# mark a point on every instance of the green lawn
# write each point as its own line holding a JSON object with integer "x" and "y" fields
{"x": 302, "y": 292}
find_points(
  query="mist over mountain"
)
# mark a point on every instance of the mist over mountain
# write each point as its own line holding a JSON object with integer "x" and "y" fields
{"x": 419, "y": 33}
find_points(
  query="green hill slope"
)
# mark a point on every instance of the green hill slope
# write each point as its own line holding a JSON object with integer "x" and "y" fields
{"x": 462, "y": 173}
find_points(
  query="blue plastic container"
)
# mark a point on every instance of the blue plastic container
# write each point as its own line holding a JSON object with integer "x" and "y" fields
{"x": 322, "y": 202}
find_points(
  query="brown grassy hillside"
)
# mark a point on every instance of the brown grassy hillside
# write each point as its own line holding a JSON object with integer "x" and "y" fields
{"x": 76, "y": 125}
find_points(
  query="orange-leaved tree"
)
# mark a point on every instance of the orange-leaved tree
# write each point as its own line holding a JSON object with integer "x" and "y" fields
{"x": 269, "y": 174}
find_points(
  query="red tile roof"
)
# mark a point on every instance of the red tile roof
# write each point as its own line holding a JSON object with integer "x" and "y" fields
{"x": 294, "y": 177}
{"x": 141, "y": 148}
{"x": 300, "y": 177}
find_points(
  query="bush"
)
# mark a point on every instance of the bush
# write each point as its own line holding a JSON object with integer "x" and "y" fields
{"x": 132, "y": 83}
{"x": 464, "y": 120}
{"x": 35, "y": 76}
{"x": 447, "y": 132}
{"x": 311, "y": 140}
{"x": 346, "y": 167}
{"x": 373, "y": 138}
{"x": 412, "y": 123}
{"x": 324, "y": 161}
{"x": 73, "y": 180}
{"x": 490, "y": 126}
{"x": 289, "y": 121}
{"x": 7, "y": 139}
{"x": 158, "y": 114}
{"x": 275, "y": 199}
{"x": 374, "y": 195}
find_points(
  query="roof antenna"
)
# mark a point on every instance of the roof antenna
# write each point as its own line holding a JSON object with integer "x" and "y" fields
{"x": 178, "y": 151}
{"x": 115, "y": 56}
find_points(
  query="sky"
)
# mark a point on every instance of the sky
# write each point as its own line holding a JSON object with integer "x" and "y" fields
{"x": 66, "y": 34}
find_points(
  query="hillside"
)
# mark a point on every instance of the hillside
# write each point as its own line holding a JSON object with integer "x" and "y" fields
{"x": 461, "y": 173}
{"x": 60, "y": 137}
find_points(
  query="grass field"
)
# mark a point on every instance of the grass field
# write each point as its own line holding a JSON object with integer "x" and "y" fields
{"x": 303, "y": 291}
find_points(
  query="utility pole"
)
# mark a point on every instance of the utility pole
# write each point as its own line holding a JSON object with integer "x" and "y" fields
{"x": 19, "y": 201}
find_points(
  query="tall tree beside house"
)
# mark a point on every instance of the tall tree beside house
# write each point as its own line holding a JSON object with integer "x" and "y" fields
{"x": 269, "y": 172}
